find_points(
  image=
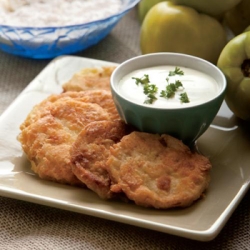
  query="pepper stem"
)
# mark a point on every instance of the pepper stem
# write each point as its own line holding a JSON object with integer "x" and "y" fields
{"x": 245, "y": 67}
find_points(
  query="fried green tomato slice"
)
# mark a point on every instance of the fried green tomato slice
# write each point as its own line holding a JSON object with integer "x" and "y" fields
{"x": 157, "y": 171}
{"x": 90, "y": 152}
{"x": 52, "y": 127}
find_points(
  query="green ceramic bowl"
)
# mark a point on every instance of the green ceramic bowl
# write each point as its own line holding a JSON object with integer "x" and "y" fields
{"x": 184, "y": 123}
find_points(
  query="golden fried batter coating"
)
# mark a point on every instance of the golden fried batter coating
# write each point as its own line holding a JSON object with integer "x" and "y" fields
{"x": 90, "y": 78}
{"x": 101, "y": 97}
{"x": 157, "y": 171}
{"x": 52, "y": 127}
{"x": 90, "y": 151}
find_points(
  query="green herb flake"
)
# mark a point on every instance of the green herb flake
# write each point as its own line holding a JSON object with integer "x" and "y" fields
{"x": 150, "y": 91}
{"x": 184, "y": 98}
{"x": 178, "y": 84}
{"x": 177, "y": 71}
{"x": 143, "y": 80}
{"x": 171, "y": 88}
{"x": 151, "y": 99}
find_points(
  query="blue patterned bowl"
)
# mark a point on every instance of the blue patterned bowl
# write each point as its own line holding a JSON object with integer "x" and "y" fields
{"x": 49, "y": 42}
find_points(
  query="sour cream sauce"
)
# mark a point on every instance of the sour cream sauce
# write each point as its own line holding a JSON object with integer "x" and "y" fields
{"x": 199, "y": 86}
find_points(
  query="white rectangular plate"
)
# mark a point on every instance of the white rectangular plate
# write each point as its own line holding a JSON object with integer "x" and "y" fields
{"x": 226, "y": 143}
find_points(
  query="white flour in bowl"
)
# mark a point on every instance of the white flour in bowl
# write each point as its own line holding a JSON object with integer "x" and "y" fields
{"x": 44, "y": 13}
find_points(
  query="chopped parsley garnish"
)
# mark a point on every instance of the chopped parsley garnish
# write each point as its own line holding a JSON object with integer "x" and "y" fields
{"x": 177, "y": 71}
{"x": 150, "y": 90}
{"x": 142, "y": 80}
{"x": 171, "y": 88}
{"x": 184, "y": 97}
{"x": 151, "y": 99}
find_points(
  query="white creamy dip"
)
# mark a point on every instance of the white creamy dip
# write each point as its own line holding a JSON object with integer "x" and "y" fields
{"x": 44, "y": 13}
{"x": 199, "y": 86}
